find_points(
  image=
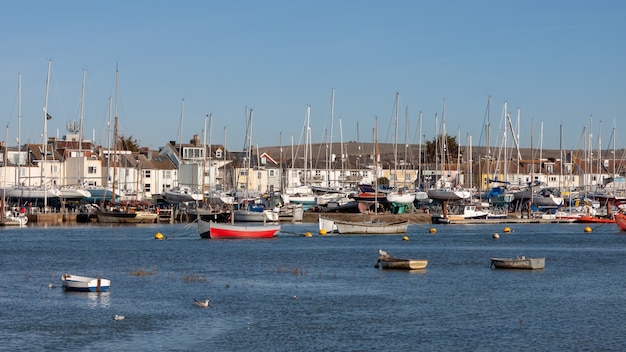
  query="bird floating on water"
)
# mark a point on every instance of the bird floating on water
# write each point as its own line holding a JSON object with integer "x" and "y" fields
{"x": 119, "y": 317}
{"x": 51, "y": 285}
{"x": 203, "y": 304}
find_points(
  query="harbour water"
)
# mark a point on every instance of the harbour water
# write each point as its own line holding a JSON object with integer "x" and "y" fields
{"x": 319, "y": 293}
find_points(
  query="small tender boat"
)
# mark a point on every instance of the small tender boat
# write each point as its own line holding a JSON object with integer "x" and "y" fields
{"x": 328, "y": 225}
{"x": 620, "y": 220}
{"x": 84, "y": 284}
{"x": 208, "y": 229}
{"x": 518, "y": 263}
{"x": 371, "y": 227}
{"x": 385, "y": 261}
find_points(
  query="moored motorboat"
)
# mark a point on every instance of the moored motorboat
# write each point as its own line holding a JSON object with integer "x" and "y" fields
{"x": 518, "y": 263}
{"x": 385, "y": 261}
{"x": 84, "y": 284}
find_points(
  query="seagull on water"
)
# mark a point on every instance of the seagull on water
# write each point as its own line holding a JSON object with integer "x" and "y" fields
{"x": 119, "y": 317}
{"x": 203, "y": 304}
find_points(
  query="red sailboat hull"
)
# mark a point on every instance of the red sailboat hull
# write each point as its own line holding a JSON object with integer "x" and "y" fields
{"x": 620, "y": 220}
{"x": 223, "y": 230}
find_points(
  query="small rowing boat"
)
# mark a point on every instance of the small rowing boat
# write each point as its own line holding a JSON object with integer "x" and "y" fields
{"x": 84, "y": 284}
{"x": 385, "y": 261}
{"x": 518, "y": 263}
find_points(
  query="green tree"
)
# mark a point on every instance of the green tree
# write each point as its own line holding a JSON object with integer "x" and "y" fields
{"x": 383, "y": 182}
{"x": 128, "y": 143}
{"x": 434, "y": 149}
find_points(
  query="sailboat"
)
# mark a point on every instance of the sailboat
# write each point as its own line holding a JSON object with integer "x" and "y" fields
{"x": 445, "y": 189}
{"x": 251, "y": 212}
{"x": 115, "y": 214}
{"x": 370, "y": 225}
{"x": 43, "y": 191}
{"x": 302, "y": 194}
{"x": 76, "y": 192}
{"x": 399, "y": 198}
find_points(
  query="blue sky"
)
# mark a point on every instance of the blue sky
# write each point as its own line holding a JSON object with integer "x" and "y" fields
{"x": 559, "y": 62}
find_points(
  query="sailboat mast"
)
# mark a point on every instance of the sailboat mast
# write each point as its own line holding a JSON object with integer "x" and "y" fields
{"x": 343, "y": 170}
{"x": 395, "y": 143}
{"x": 406, "y": 146}
{"x": 204, "y": 156}
{"x": 43, "y": 140}
{"x": 19, "y": 126}
{"x": 376, "y": 166}
{"x": 113, "y": 199}
{"x": 306, "y": 144}
{"x": 419, "y": 161}
{"x": 82, "y": 112}
{"x": 330, "y": 138}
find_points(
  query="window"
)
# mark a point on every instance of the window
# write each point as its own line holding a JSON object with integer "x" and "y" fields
{"x": 193, "y": 153}
{"x": 258, "y": 175}
{"x": 272, "y": 173}
{"x": 146, "y": 187}
{"x": 218, "y": 153}
{"x": 146, "y": 173}
{"x": 91, "y": 170}
{"x": 167, "y": 174}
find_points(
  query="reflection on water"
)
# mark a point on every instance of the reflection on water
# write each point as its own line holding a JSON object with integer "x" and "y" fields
{"x": 93, "y": 299}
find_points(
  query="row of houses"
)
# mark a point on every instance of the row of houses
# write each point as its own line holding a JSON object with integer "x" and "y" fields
{"x": 146, "y": 174}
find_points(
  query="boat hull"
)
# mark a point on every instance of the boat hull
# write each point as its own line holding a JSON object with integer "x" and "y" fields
{"x": 518, "y": 263}
{"x": 255, "y": 216}
{"x": 620, "y": 220}
{"x": 402, "y": 264}
{"x": 326, "y": 225}
{"x": 84, "y": 284}
{"x": 587, "y": 219}
{"x": 116, "y": 217}
{"x": 371, "y": 228}
{"x": 221, "y": 230}
{"x": 448, "y": 194}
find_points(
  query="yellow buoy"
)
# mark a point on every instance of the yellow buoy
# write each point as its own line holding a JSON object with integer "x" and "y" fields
{"x": 588, "y": 229}
{"x": 159, "y": 236}
{"x": 322, "y": 232}
{"x": 496, "y": 236}
{"x": 433, "y": 230}
{"x": 507, "y": 230}
{"x": 405, "y": 238}
{"x": 308, "y": 234}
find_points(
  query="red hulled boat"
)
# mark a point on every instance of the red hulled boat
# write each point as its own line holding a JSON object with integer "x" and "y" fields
{"x": 208, "y": 229}
{"x": 620, "y": 220}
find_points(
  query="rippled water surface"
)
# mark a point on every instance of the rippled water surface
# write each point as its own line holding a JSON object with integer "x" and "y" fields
{"x": 320, "y": 293}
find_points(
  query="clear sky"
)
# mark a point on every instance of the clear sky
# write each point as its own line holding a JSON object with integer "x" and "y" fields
{"x": 562, "y": 63}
